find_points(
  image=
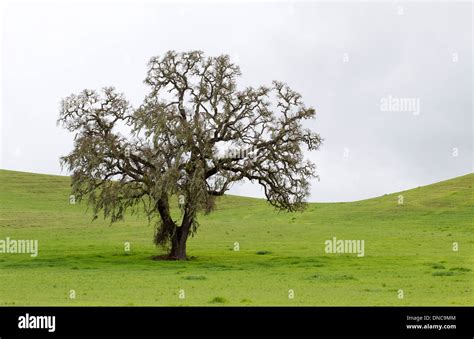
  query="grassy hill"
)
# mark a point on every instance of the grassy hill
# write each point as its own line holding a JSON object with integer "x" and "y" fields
{"x": 408, "y": 247}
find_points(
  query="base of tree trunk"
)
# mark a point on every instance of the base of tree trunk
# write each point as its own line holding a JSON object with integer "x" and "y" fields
{"x": 167, "y": 257}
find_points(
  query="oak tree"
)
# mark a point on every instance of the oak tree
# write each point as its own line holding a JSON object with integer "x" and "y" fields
{"x": 195, "y": 134}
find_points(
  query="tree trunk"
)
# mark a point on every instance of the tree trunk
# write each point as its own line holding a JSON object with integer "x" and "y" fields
{"x": 178, "y": 244}
{"x": 178, "y": 234}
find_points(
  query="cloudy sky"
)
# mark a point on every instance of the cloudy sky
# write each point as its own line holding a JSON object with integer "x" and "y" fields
{"x": 354, "y": 62}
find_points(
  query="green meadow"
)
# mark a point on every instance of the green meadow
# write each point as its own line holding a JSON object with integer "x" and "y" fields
{"x": 420, "y": 252}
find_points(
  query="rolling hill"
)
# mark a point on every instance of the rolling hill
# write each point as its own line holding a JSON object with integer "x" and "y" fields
{"x": 420, "y": 252}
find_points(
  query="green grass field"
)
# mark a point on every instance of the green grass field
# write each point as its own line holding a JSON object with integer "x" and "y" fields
{"x": 408, "y": 247}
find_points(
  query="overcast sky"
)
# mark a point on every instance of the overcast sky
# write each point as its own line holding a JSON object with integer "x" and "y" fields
{"x": 351, "y": 61}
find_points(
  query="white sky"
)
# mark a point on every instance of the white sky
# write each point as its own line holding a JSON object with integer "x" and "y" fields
{"x": 411, "y": 50}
